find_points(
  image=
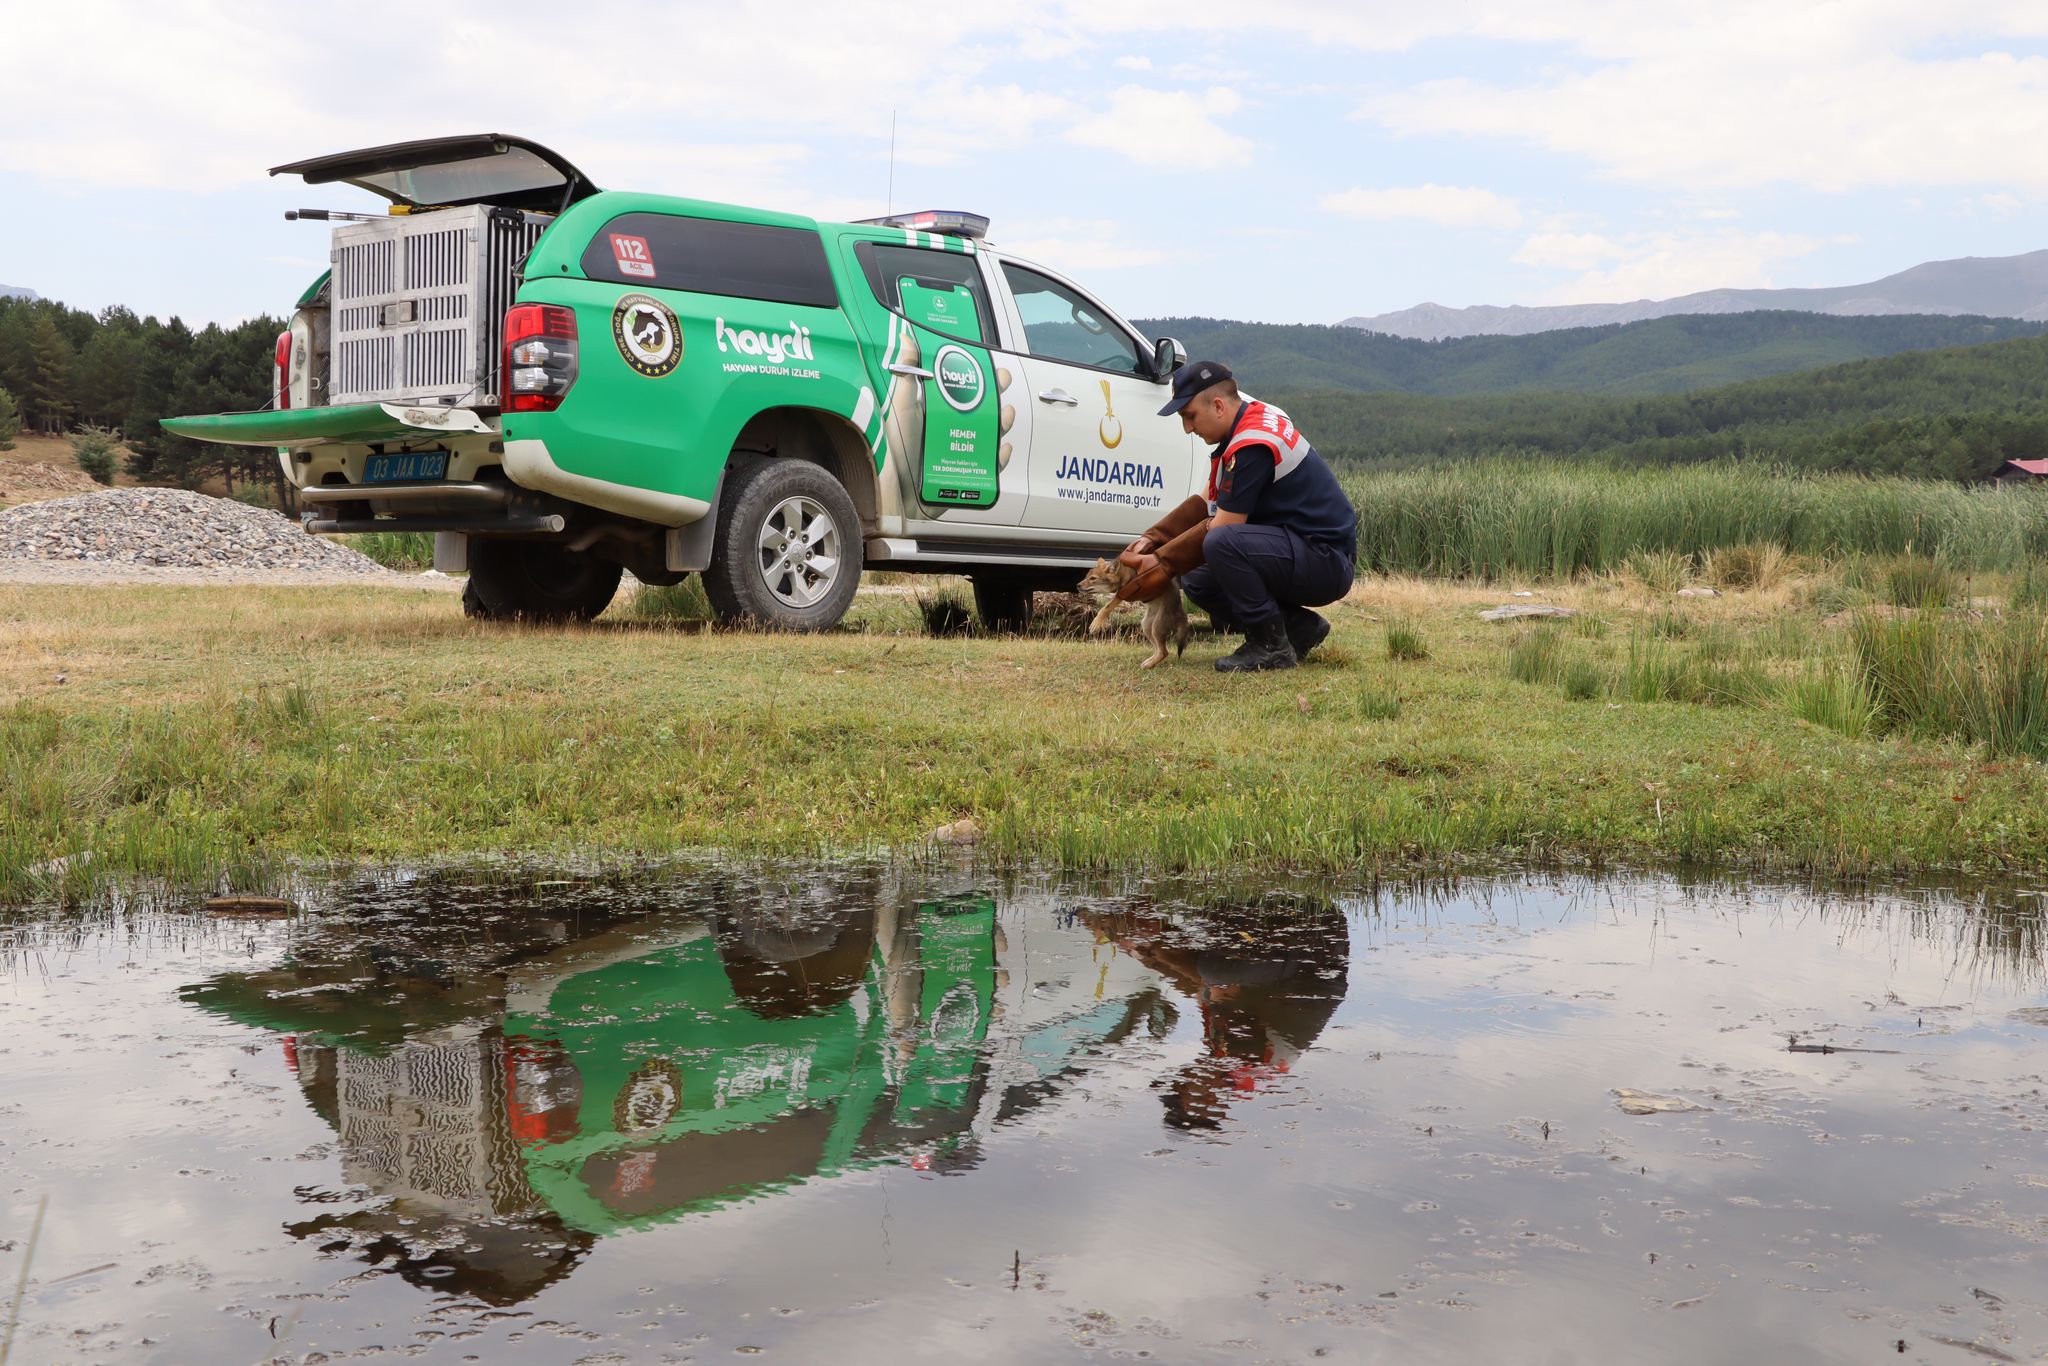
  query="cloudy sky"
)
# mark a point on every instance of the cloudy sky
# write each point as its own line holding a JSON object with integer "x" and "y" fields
{"x": 1285, "y": 160}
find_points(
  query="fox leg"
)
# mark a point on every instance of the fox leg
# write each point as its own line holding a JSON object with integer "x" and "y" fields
{"x": 1101, "y": 618}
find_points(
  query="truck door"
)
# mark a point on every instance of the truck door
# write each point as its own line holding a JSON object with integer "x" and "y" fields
{"x": 945, "y": 400}
{"x": 1102, "y": 459}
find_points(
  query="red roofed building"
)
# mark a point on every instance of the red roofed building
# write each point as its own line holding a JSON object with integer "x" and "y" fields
{"x": 2023, "y": 471}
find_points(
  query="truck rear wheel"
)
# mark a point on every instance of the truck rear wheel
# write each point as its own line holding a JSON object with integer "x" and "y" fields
{"x": 1001, "y": 600}
{"x": 788, "y": 550}
{"x": 536, "y": 581}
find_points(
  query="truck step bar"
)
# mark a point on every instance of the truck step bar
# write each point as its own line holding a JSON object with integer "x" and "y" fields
{"x": 887, "y": 550}
{"x": 462, "y": 495}
{"x": 546, "y": 524}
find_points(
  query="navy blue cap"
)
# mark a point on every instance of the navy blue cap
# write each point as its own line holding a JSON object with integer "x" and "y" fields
{"x": 1192, "y": 379}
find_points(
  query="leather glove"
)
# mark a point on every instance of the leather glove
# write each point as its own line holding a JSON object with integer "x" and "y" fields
{"x": 1179, "y": 554}
{"x": 1194, "y": 508}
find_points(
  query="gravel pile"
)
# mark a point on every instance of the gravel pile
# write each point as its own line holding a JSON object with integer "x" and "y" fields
{"x": 170, "y": 529}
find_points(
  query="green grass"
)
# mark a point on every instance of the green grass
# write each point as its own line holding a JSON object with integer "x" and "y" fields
{"x": 1556, "y": 519}
{"x": 1836, "y": 698}
{"x": 1377, "y": 702}
{"x": 395, "y": 549}
{"x": 1406, "y": 641}
{"x": 675, "y": 603}
{"x": 1934, "y": 674}
{"x": 1536, "y": 655}
{"x": 1583, "y": 681}
{"x": 214, "y": 736}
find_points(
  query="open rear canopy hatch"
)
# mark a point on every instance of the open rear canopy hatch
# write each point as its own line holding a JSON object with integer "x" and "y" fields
{"x": 478, "y": 168}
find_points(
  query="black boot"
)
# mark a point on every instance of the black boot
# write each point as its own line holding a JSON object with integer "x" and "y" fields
{"x": 1265, "y": 647}
{"x": 1305, "y": 630}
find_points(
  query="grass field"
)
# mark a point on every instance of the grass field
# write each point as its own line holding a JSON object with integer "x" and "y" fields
{"x": 204, "y": 734}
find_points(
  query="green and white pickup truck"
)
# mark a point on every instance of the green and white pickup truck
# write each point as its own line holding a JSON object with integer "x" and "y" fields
{"x": 562, "y": 382}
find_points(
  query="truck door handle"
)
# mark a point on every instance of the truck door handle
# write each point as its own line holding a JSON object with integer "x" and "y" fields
{"x": 911, "y": 370}
{"x": 1058, "y": 396}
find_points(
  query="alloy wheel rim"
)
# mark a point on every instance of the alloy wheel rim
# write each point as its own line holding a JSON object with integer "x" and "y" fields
{"x": 799, "y": 551}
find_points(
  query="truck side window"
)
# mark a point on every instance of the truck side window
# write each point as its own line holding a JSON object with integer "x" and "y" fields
{"x": 941, "y": 290}
{"x": 706, "y": 256}
{"x": 1060, "y": 324}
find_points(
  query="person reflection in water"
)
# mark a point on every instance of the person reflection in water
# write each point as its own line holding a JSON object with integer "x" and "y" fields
{"x": 1265, "y": 982}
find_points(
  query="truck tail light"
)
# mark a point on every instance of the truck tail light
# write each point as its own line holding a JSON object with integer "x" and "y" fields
{"x": 284, "y": 369}
{"x": 540, "y": 357}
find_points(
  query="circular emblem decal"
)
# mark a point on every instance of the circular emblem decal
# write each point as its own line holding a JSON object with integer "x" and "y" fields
{"x": 649, "y": 1099}
{"x": 958, "y": 375}
{"x": 648, "y": 335}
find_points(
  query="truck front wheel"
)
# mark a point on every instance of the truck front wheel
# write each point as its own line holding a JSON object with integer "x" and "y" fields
{"x": 536, "y": 581}
{"x": 787, "y": 555}
{"x": 1002, "y": 601}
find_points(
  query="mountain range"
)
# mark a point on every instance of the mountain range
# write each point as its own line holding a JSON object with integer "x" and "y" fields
{"x": 18, "y": 292}
{"x": 1659, "y": 356}
{"x": 1992, "y": 286}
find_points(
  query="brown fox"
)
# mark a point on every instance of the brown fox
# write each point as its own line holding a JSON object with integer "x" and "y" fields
{"x": 1166, "y": 618}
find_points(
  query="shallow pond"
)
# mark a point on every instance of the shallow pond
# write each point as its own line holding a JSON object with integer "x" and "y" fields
{"x": 858, "y": 1114}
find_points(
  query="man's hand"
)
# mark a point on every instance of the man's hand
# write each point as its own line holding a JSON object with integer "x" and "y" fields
{"x": 1142, "y": 546}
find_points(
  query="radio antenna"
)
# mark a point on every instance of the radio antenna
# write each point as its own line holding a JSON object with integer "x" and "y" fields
{"x": 889, "y": 200}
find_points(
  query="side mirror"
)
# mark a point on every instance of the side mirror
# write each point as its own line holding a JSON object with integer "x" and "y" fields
{"x": 1168, "y": 356}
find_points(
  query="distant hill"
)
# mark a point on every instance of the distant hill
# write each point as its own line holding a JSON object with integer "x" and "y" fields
{"x": 18, "y": 292}
{"x": 1954, "y": 414}
{"x": 1990, "y": 286}
{"x": 1664, "y": 355}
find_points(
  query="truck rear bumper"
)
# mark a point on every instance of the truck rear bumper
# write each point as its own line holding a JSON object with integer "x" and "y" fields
{"x": 529, "y": 464}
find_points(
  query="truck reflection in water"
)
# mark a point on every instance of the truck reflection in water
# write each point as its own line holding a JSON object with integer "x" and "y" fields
{"x": 645, "y": 1066}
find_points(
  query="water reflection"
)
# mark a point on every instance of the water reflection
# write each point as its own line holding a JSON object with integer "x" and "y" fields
{"x": 514, "y": 1083}
{"x": 1265, "y": 981}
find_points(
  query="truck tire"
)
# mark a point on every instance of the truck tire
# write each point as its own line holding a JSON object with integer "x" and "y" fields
{"x": 1002, "y": 600}
{"x": 536, "y": 581}
{"x": 787, "y": 553}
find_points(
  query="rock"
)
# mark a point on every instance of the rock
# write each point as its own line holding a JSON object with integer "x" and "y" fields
{"x": 57, "y": 867}
{"x": 1650, "y": 1103}
{"x": 962, "y": 831}
{"x": 1516, "y": 611}
{"x": 1699, "y": 592}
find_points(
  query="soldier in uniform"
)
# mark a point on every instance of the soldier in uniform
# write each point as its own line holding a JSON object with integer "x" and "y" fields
{"x": 1281, "y": 537}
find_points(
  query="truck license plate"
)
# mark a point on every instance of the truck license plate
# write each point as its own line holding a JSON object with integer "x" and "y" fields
{"x": 408, "y": 468}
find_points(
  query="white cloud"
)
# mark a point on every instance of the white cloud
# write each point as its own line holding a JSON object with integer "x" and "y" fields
{"x": 162, "y": 118}
{"x": 1134, "y": 63}
{"x": 1166, "y": 128}
{"x": 1836, "y": 97}
{"x": 1568, "y": 251}
{"x": 1075, "y": 246}
{"x": 1661, "y": 265}
{"x": 1448, "y": 206}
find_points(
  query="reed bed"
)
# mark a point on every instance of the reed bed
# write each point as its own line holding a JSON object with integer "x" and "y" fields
{"x": 1555, "y": 519}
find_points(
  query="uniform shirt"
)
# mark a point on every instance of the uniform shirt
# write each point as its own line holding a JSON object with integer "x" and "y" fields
{"x": 1307, "y": 499}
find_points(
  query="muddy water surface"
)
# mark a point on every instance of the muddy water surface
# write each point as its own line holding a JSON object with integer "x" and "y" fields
{"x": 851, "y": 1114}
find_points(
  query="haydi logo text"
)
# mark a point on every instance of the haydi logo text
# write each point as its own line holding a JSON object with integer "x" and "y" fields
{"x": 773, "y": 347}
